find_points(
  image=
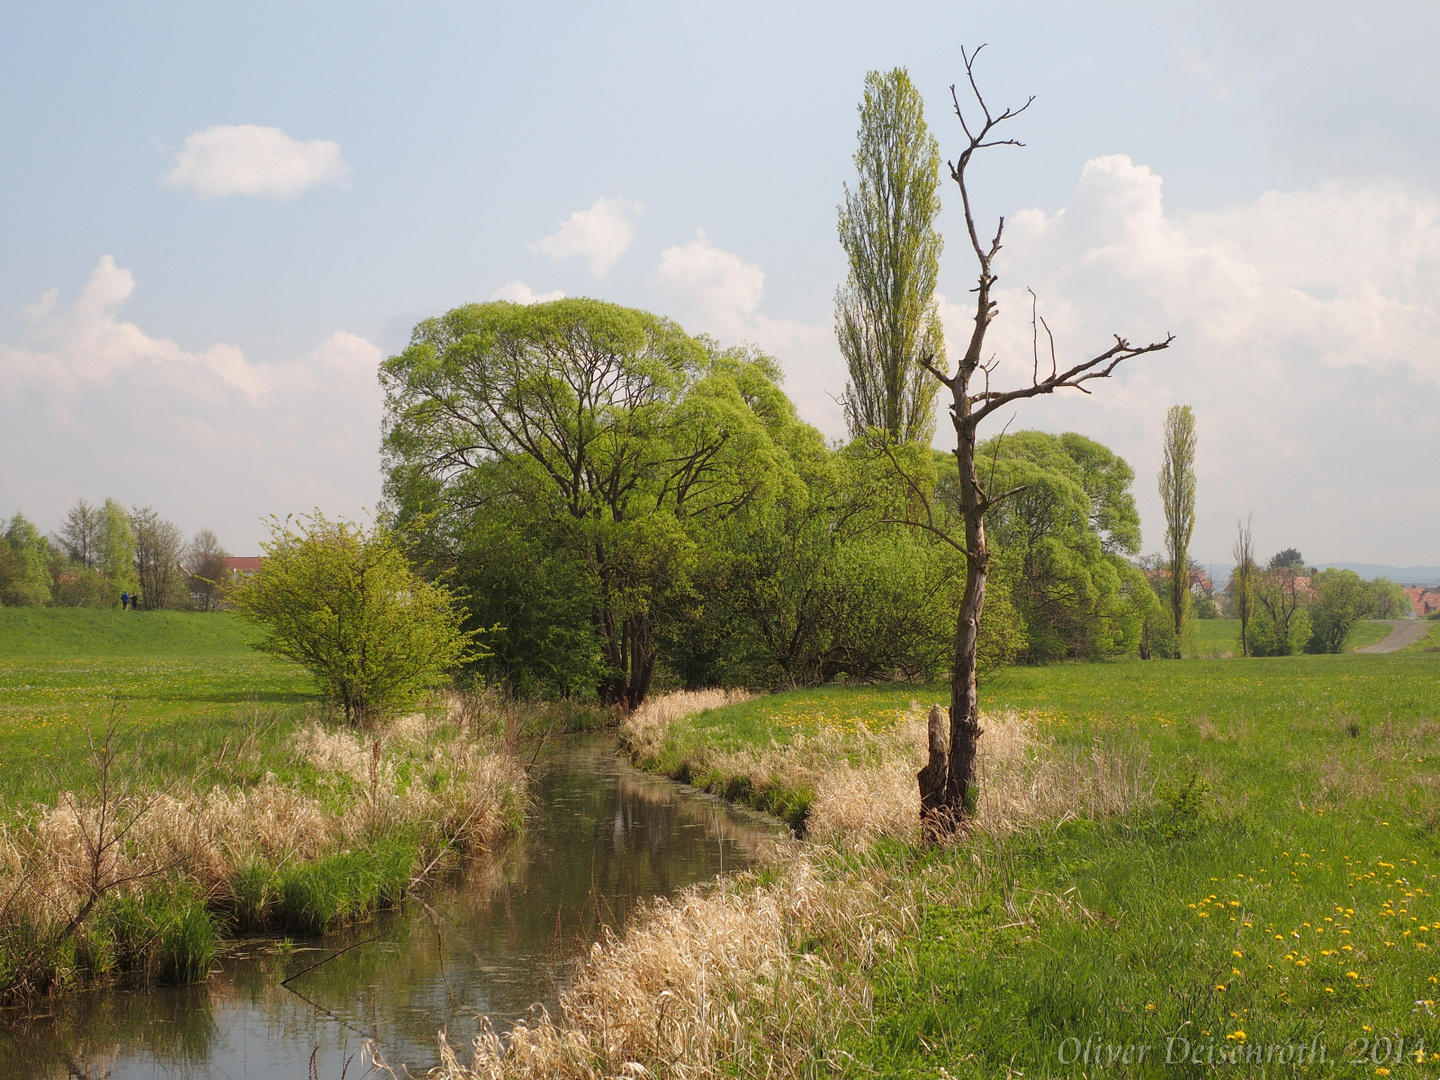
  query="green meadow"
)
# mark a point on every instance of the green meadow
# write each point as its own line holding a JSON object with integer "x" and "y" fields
{"x": 182, "y": 685}
{"x": 1279, "y": 887}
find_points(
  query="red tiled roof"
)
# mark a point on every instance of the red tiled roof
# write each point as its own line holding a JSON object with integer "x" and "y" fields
{"x": 243, "y": 564}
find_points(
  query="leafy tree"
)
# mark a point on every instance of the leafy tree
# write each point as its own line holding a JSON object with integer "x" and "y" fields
{"x": 205, "y": 572}
{"x": 1391, "y": 601}
{"x": 885, "y": 315}
{"x": 159, "y": 548}
{"x": 1242, "y": 583}
{"x": 116, "y": 550}
{"x": 1177, "y": 495}
{"x": 1281, "y": 625}
{"x": 1288, "y": 559}
{"x": 611, "y": 431}
{"x": 343, "y": 603}
{"x": 24, "y": 566}
{"x": 1339, "y": 600}
{"x": 1076, "y": 595}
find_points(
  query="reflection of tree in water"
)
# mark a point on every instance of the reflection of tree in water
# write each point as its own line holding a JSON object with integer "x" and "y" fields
{"x": 83, "y": 1035}
{"x": 604, "y": 840}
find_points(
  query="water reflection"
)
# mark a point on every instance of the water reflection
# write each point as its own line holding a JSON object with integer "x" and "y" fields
{"x": 495, "y": 940}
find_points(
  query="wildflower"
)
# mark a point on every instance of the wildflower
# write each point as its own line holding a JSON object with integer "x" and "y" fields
{"x": 1237, "y": 952}
{"x": 1236, "y": 1036}
{"x": 1150, "y": 1006}
{"x": 1351, "y": 975}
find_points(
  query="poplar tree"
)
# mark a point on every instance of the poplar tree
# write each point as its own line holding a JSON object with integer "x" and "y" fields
{"x": 885, "y": 317}
{"x": 1177, "y": 493}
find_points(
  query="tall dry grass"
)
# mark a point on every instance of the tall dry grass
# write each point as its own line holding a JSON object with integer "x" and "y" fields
{"x": 423, "y": 777}
{"x": 644, "y": 731}
{"x": 745, "y": 979}
{"x": 762, "y": 975}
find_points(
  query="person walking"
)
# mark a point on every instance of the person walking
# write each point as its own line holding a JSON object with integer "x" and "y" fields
{"x": 124, "y": 600}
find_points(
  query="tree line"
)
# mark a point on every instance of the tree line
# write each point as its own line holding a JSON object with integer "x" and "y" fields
{"x": 101, "y": 551}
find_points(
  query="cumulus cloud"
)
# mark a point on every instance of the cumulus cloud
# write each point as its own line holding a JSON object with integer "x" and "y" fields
{"x": 1306, "y": 325}
{"x": 713, "y": 291}
{"x": 710, "y": 289}
{"x": 517, "y": 292}
{"x": 599, "y": 235}
{"x": 208, "y": 436}
{"x": 245, "y": 159}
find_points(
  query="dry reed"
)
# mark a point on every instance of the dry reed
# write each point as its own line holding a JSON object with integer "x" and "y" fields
{"x": 762, "y": 976}
{"x": 645, "y": 730}
{"x": 457, "y": 793}
{"x": 740, "y": 979}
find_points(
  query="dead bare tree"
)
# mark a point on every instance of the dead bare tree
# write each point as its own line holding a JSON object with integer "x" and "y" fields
{"x": 948, "y": 794}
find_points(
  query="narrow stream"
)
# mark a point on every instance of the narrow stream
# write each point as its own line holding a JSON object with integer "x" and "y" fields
{"x": 498, "y": 939}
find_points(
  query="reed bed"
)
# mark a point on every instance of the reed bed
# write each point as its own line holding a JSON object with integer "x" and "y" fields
{"x": 757, "y": 975}
{"x": 767, "y": 974}
{"x": 377, "y": 808}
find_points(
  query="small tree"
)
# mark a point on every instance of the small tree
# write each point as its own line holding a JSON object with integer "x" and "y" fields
{"x": 344, "y": 604}
{"x": 885, "y": 317}
{"x": 1339, "y": 599}
{"x": 159, "y": 545}
{"x": 1177, "y": 493}
{"x": 1281, "y": 626}
{"x": 205, "y": 571}
{"x": 1242, "y": 582}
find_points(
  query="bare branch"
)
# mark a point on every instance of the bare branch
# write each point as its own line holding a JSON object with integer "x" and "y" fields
{"x": 1098, "y": 367}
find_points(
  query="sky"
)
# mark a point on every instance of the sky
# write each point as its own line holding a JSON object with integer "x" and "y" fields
{"x": 215, "y": 221}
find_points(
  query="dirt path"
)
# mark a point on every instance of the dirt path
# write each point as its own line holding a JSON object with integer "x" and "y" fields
{"x": 1402, "y": 632}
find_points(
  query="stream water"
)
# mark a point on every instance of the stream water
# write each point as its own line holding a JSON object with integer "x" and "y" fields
{"x": 495, "y": 941}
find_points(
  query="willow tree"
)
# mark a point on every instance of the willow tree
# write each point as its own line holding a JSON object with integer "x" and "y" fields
{"x": 608, "y": 432}
{"x": 1177, "y": 494}
{"x": 885, "y": 315}
{"x": 947, "y": 784}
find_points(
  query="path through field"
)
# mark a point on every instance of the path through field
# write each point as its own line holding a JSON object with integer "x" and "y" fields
{"x": 1402, "y": 632}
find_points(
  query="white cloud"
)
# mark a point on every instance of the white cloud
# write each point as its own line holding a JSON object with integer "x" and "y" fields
{"x": 1307, "y": 326}
{"x": 245, "y": 159}
{"x": 710, "y": 289}
{"x": 209, "y": 437}
{"x": 599, "y": 235}
{"x": 517, "y": 292}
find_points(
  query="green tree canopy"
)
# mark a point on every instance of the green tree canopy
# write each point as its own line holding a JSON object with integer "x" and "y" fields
{"x": 1059, "y": 542}
{"x": 885, "y": 316}
{"x": 24, "y": 565}
{"x": 608, "y": 434}
{"x": 343, "y": 603}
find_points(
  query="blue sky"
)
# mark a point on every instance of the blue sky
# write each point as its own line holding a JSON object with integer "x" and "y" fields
{"x": 241, "y": 209}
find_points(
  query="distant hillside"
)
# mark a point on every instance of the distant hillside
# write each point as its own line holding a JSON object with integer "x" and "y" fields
{"x": 34, "y": 633}
{"x": 1403, "y": 575}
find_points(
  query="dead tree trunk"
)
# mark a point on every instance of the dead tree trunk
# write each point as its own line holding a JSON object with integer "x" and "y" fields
{"x": 943, "y": 808}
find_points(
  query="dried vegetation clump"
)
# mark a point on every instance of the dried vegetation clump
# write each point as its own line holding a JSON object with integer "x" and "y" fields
{"x": 645, "y": 730}
{"x": 763, "y": 974}
{"x": 744, "y": 978}
{"x": 434, "y": 782}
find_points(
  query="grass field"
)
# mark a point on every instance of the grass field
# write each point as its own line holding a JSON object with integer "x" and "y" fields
{"x": 1277, "y": 885}
{"x": 1215, "y": 638}
{"x": 234, "y": 800}
{"x": 182, "y": 683}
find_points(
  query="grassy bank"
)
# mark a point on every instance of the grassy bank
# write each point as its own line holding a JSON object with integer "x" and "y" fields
{"x": 162, "y": 785}
{"x": 1219, "y": 862}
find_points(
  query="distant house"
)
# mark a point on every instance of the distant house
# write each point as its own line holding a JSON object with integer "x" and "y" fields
{"x": 1425, "y": 599}
{"x": 242, "y": 566}
{"x": 1200, "y": 583}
